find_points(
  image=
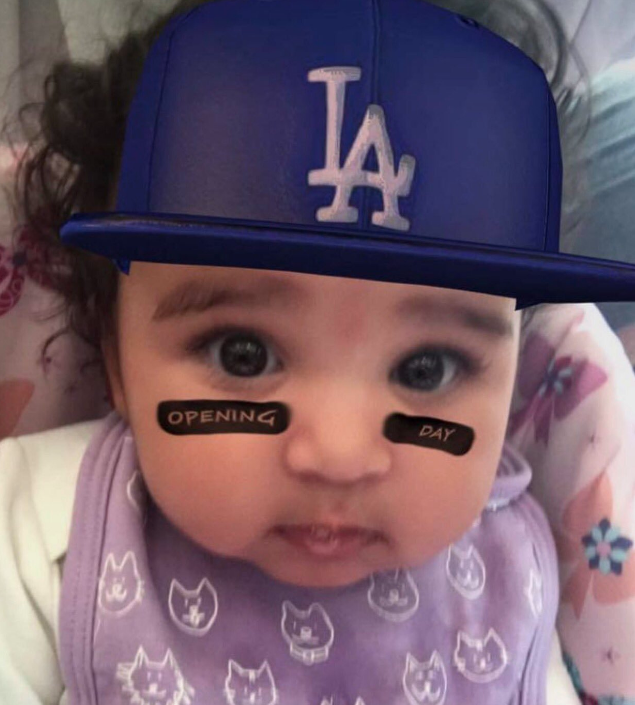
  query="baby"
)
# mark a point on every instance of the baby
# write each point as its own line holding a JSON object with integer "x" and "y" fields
{"x": 260, "y": 413}
{"x": 303, "y": 494}
{"x": 331, "y": 499}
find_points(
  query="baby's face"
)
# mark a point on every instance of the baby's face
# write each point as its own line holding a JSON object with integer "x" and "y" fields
{"x": 342, "y": 355}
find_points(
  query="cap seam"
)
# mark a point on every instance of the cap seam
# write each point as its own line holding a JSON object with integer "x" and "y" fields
{"x": 160, "y": 101}
{"x": 549, "y": 174}
{"x": 374, "y": 95}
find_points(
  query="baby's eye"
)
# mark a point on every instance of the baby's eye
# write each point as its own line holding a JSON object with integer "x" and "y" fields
{"x": 236, "y": 353}
{"x": 430, "y": 369}
{"x": 242, "y": 355}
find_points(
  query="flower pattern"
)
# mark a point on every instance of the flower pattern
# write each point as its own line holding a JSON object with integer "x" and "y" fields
{"x": 551, "y": 386}
{"x": 604, "y": 561}
{"x": 26, "y": 258}
{"x": 605, "y": 548}
{"x": 15, "y": 394}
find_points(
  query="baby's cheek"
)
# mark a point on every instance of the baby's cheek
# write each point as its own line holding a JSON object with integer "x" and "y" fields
{"x": 215, "y": 488}
{"x": 442, "y": 494}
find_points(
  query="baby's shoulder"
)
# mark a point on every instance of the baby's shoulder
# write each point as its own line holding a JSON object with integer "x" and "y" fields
{"x": 38, "y": 476}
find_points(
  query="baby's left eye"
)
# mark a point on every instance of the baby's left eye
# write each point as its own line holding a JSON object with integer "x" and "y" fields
{"x": 430, "y": 369}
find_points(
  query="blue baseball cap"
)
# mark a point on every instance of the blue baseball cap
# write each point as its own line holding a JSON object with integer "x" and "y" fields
{"x": 389, "y": 140}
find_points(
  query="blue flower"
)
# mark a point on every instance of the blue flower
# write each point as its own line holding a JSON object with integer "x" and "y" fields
{"x": 605, "y": 548}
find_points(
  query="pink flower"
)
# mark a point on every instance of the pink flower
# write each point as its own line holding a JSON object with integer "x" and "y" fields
{"x": 12, "y": 276}
{"x": 589, "y": 514}
{"x": 552, "y": 386}
{"x": 29, "y": 258}
{"x": 15, "y": 394}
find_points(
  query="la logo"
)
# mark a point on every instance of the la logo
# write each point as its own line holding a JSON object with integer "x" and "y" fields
{"x": 372, "y": 133}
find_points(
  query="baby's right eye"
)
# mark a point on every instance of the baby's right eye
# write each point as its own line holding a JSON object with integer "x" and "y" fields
{"x": 235, "y": 353}
{"x": 243, "y": 355}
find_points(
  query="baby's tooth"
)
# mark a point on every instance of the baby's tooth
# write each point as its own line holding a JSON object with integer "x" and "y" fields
{"x": 320, "y": 533}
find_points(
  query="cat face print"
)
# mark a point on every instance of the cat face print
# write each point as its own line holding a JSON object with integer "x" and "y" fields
{"x": 152, "y": 682}
{"x": 120, "y": 587}
{"x": 480, "y": 660}
{"x": 246, "y": 686}
{"x": 393, "y": 595}
{"x": 309, "y": 633}
{"x": 425, "y": 682}
{"x": 193, "y": 611}
{"x": 466, "y": 571}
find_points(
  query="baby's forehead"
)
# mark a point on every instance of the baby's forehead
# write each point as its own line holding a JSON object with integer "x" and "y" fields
{"x": 163, "y": 279}
{"x": 171, "y": 292}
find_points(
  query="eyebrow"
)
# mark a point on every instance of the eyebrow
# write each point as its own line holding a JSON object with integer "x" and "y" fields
{"x": 196, "y": 296}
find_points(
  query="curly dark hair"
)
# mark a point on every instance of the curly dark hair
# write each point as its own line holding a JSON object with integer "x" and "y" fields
{"x": 71, "y": 164}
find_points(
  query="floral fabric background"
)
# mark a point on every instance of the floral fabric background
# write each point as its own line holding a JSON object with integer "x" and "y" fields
{"x": 573, "y": 417}
{"x": 573, "y": 413}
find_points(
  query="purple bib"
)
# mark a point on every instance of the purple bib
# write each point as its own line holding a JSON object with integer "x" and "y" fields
{"x": 149, "y": 618}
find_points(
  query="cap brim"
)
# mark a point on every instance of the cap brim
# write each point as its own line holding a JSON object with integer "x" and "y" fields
{"x": 527, "y": 276}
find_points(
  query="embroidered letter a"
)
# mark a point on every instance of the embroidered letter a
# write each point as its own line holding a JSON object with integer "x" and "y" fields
{"x": 372, "y": 133}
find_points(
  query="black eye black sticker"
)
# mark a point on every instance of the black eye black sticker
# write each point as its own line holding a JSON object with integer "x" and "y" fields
{"x": 430, "y": 433}
{"x": 202, "y": 416}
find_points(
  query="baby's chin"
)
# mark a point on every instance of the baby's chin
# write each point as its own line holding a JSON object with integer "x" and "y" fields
{"x": 309, "y": 572}
{"x": 321, "y": 577}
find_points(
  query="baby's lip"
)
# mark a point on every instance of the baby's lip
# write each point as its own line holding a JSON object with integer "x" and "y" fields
{"x": 320, "y": 529}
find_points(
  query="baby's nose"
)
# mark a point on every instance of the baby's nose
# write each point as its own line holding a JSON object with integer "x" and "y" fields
{"x": 337, "y": 437}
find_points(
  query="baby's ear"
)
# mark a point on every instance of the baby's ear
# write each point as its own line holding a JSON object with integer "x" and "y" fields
{"x": 116, "y": 394}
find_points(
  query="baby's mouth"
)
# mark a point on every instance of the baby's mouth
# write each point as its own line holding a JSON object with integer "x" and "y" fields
{"x": 329, "y": 541}
{"x": 329, "y": 532}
